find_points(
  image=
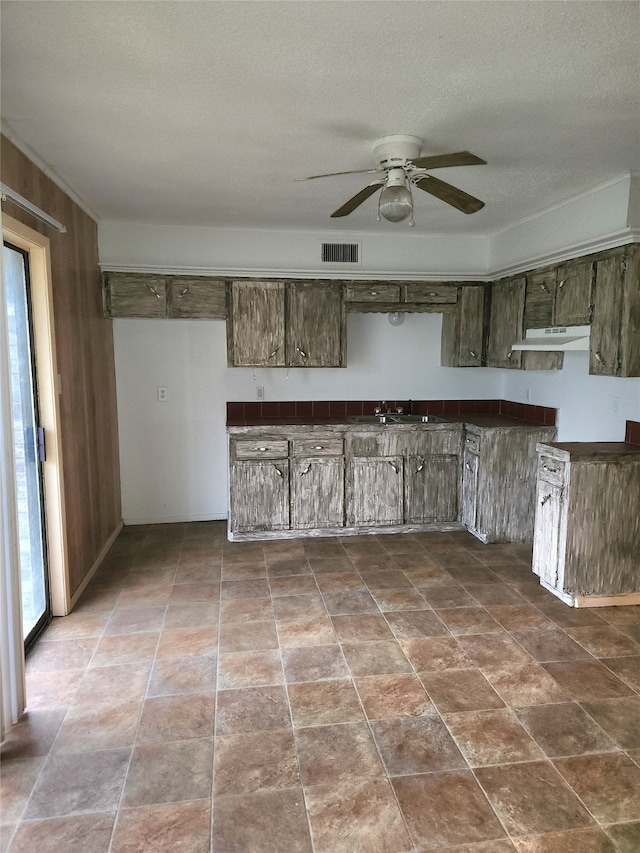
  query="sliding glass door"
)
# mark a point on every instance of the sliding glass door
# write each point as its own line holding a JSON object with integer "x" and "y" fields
{"x": 29, "y": 445}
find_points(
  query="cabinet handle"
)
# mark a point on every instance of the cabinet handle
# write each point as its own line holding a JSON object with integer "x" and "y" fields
{"x": 545, "y": 499}
{"x": 152, "y": 290}
{"x": 318, "y": 447}
{"x": 433, "y": 293}
{"x": 278, "y": 471}
{"x": 306, "y": 471}
{"x": 472, "y": 353}
{"x": 510, "y": 354}
{"x": 394, "y": 466}
{"x": 420, "y": 467}
{"x": 562, "y": 283}
{"x": 468, "y": 466}
{"x": 600, "y": 359}
{"x": 544, "y": 287}
{"x": 182, "y": 292}
{"x": 271, "y": 355}
{"x": 551, "y": 470}
{"x": 302, "y": 352}
{"x": 373, "y": 293}
{"x": 262, "y": 449}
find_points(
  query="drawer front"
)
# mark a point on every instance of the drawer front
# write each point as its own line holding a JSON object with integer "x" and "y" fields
{"x": 372, "y": 292}
{"x": 472, "y": 443}
{"x": 321, "y": 446}
{"x": 425, "y": 292}
{"x": 261, "y": 448}
{"x": 551, "y": 470}
{"x": 440, "y": 442}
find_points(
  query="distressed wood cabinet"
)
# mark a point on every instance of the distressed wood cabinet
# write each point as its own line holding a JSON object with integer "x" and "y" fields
{"x": 259, "y": 484}
{"x": 285, "y": 324}
{"x": 507, "y": 325}
{"x": 255, "y": 324}
{"x": 463, "y": 331}
{"x": 615, "y": 332}
{"x": 574, "y": 294}
{"x": 431, "y": 488}
{"x": 587, "y": 536}
{"x": 499, "y": 469}
{"x": 315, "y": 325}
{"x": 317, "y": 482}
{"x": 129, "y": 295}
{"x": 377, "y": 491}
{"x": 196, "y": 298}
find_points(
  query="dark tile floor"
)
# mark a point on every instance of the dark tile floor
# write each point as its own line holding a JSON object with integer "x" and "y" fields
{"x": 375, "y": 694}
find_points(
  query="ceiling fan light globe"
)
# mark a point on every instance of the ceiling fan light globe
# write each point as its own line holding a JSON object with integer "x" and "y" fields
{"x": 395, "y": 203}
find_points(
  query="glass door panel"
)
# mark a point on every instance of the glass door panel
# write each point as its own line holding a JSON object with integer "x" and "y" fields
{"x": 29, "y": 445}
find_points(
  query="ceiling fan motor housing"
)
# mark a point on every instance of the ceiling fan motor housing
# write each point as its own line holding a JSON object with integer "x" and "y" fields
{"x": 393, "y": 152}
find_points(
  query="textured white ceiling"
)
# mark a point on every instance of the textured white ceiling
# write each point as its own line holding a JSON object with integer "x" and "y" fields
{"x": 202, "y": 113}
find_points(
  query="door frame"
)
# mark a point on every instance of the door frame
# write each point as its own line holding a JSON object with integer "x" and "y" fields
{"x": 49, "y": 388}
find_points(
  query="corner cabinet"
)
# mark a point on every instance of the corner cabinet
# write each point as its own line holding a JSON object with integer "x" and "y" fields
{"x": 615, "y": 332}
{"x": 587, "y": 538}
{"x": 285, "y": 324}
{"x": 499, "y": 481}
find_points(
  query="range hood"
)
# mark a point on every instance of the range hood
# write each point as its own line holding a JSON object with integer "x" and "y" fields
{"x": 558, "y": 339}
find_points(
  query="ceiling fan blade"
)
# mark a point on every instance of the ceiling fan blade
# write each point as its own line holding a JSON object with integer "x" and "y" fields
{"x": 331, "y": 174}
{"x": 357, "y": 200}
{"x": 449, "y": 194}
{"x": 440, "y": 161}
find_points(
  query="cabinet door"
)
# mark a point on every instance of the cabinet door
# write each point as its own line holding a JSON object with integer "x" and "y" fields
{"x": 604, "y": 358}
{"x": 573, "y": 295}
{"x": 255, "y": 324}
{"x": 463, "y": 331}
{"x": 470, "y": 490}
{"x": 136, "y": 296}
{"x": 539, "y": 300}
{"x": 377, "y": 493}
{"x": 197, "y": 299}
{"x": 546, "y": 537}
{"x": 315, "y": 324}
{"x": 317, "y": 492}
{"x": 259, "y": 495}
{"x": 505, "y": 328}
{"x": 431, "y": 488}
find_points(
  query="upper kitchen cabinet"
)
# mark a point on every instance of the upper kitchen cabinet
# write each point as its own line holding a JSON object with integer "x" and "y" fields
{"x": 559, "y": 297}
{"x": 255, "y": 324}
{"x": 615, "y": 331}
{"x": 315, "y": 324}
{"x": 130, "y": 295}
{"x": 507, "y": 325}
{"x": 292, "y": 324}
{"x": 463, "y": 331}
{"x": 196, "y": 298}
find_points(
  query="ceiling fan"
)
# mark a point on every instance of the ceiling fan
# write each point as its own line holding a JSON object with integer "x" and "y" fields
{"x": 399, "y": 162}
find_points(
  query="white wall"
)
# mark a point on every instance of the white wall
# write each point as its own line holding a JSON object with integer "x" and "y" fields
{"x": 586, "y": 404}
{"x": 173, "y": 455}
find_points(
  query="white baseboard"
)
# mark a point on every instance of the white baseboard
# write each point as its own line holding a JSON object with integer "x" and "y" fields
{"x": 173, "y": 519}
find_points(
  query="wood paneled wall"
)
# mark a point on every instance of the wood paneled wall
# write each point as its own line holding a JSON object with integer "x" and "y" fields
{"x": 84, "y": 343}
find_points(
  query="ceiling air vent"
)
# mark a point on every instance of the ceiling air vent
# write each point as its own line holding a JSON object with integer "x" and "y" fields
{"x": 340, "y": 253}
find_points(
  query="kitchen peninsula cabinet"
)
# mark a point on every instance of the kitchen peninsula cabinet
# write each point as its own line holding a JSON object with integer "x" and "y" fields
{"x": 615, "y": 332}
{"x": 285, "y": 324}
{"x": 499, "y": 481}
{"x": 586, "y": 542}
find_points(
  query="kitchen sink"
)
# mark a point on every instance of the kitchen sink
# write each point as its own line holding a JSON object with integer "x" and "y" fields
{"x": 394, "y": 418}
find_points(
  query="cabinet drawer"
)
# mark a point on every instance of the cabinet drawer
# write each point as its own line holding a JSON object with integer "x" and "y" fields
{"x": 261, "y": 448}
{"x": 551, "y": 470}
{"x": 472, "y": 443}
{"x": 372, "y": 292}
{"x": 426, "y": 292}
{"x": 321, "y": 446}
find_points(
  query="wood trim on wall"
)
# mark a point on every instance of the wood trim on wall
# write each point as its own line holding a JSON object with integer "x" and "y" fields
{"x": 85, "y": 363}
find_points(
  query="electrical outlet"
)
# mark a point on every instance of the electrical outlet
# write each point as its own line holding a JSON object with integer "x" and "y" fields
{"x": 162, "y": 394}
{"x": 259, "y": 392}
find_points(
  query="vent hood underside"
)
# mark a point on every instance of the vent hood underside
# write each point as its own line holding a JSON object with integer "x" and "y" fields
{"x": 560, "y": 339}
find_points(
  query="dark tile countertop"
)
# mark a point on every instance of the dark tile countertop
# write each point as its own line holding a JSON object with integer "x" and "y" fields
{"x": 480, "y": 421}
{"x": 595, "y": 451}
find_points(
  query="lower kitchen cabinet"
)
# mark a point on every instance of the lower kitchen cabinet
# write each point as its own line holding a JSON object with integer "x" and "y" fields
{"x": 431, "y": 489}
{"x": 377, "y": 491}
{"x": 317, "y": 492}
{"x": 499, "y": 481}
{"x": 259, "y": 495}
{"x": 586, "y": 542}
